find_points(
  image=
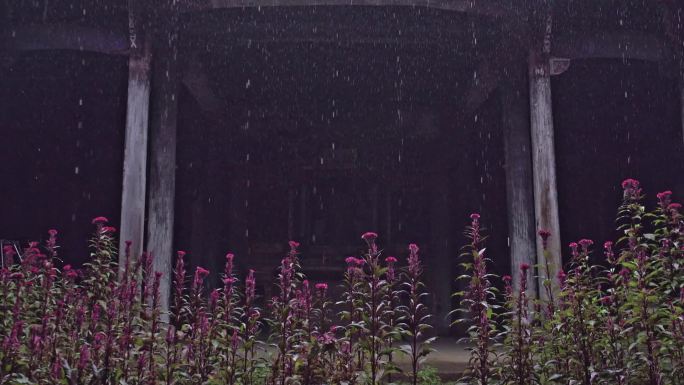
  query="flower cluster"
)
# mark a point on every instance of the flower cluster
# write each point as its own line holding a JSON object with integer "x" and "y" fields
{"x": 104, "y": 324}
{"x": 618, "y": 322}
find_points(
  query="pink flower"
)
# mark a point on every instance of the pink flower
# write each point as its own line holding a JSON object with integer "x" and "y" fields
{"x": 585, "y": 243}
{"x": 413, "y": 260}
{"x": 413, "y": 248}
{"x": 369, "y": 236}
{"x": 545, "y": 234}
{"x": 69, "y": 272}
{"x": 475, "y": 228}
{"x": 250, "y": 286}
{"x": 321, "y": 288}
{"x": 52, "y": 232}
{"x": 524, "y": 267}
{"x": 293, "y": 247}
{"x": 664, "y": 198}
{"x": 228, "y": 270}
{"x": 608, "y": 251}
{"x": 100, "y": 220}
{"x": 9, "y": 253}
{"x": 631, "y": 189}
{"x": 630, "y": 184}
{"x": 51, "y": 244}
{"x": 391, "y": 273}
{"x": 561, "y": 278}
{"x": 354, "y": 266}
{"x": 109, "y": 229}
{"x": 202, "y": 272}
{"x": 573, "y": 248}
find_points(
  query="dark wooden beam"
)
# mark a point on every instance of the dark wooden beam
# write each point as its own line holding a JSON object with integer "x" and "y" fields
{"x": 39, "y": 37}
{"x": 478, "y": 7}
{"x": 605, "y": 45}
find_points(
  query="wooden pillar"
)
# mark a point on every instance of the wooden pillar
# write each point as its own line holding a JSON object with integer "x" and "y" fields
{"x": 519, "y": 185}
{"x": 544, "y": 168}
{"x": 162, "y": 178}
{"x": 135, "y": 143}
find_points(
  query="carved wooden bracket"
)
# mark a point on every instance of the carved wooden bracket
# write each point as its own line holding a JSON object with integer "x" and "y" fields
{"x": 559, "y": 65}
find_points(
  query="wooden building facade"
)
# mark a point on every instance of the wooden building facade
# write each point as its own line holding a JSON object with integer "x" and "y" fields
{"x": 457, "y": 55}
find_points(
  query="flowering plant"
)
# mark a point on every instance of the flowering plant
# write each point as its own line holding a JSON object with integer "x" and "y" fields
{"x": 618, "y": 322}
{"x": 104, "y": 324}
